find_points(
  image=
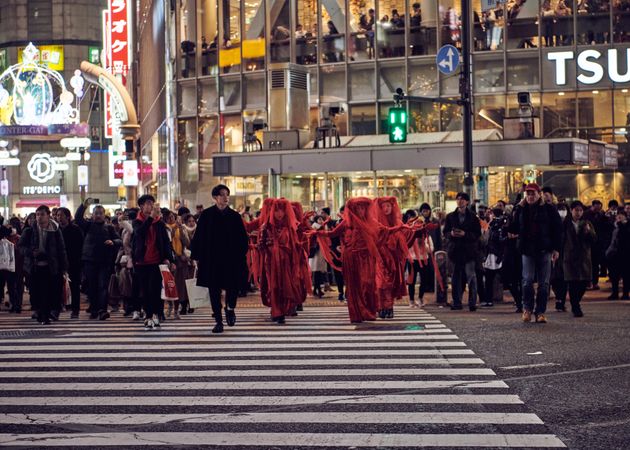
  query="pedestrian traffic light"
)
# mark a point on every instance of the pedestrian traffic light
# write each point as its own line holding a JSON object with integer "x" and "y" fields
{"x": 397, "y": 124}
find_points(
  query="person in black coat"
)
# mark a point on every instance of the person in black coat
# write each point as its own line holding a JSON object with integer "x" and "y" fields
{"x": 462, "y": 231}
{"x": 73, "y": 238}
{"x": 220, "y": 248}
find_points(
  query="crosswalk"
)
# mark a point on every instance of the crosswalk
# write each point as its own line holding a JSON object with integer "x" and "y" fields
{"x": 315, "y": 382}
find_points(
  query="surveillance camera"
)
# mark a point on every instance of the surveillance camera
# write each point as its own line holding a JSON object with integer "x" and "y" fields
{"x": 399, "y": 91}
{"x": 524, "y": 99}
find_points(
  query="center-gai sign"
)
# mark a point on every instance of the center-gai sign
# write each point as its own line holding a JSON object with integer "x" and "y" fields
{"x": 590, "y": 65}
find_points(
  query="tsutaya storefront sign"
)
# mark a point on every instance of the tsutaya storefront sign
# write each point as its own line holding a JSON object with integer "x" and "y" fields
{"x": 593, "y": 66}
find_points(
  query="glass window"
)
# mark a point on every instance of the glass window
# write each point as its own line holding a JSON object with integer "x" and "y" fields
{"x": 306, "y": 33}
{"x": 449, "y": 84}
{"x": 523, "y": 71}
{"x": 362, "y": 85}
{"x": 280, "y": 33}
{"x": 593, "y": 22}
{"x": 187, "y": 152}
{"x": 254, "y": 38}
{"x": 595, "y": 119}
{"x": 423, "y": 18}
{"x": 254, "y": 121}
{"x": 450, "y": 117}
{"x": 559, "y": 119}
{"x": 423, "y": 78}
{"x": 489, "y": 112}
{"x": 333, "y": 84}
{"x": 231, "y": 92}
{"x": 450, "y": 16}
{"x": 232, "y": 133}
{"x": 208, "y": 101}
{"x": 230, "y": 49}
{"x": 187, "y": 37}
{"x": 333, "y": 31}
{"x": 187, "y": 99}
{"x": 622, "y": 115}
{"x": 362, "y": 29}
{"x": 255, "y": 90}
{"x": 424, "y": 117}
{"x": 391, "y": 77}
{"x": 390, "y": 29}
{"x": 314, "y": 92}
{"x": 488, "y": 26}
{"x": 489, "y": 74}
{"x": 362, "y": 120}
{"x": 522, "y": 24}
{"x": 621, "y": 21}
{"x": 209, "y": 22}
{"x": 557, "y": 22}
{"x": 208, "y": 144}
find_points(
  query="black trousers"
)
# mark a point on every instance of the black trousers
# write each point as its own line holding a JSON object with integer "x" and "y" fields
{"x": 75, "y": 290}
{"x": 619, "y": 271}
{"x": 411, "y": 287}
{"x": 560, "y": 289}
{"x": 149, "y": 280}
{"x": 339, "y": 281}
{"x": 45, "y": 291}
{"x": 427, "y": 278}
{"x": 489, "y": 290}
{"x": 231, "y": 296}
{"x": 576, "y": 292}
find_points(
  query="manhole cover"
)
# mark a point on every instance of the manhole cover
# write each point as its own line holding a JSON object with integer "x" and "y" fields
{"x": 28, "y": 333}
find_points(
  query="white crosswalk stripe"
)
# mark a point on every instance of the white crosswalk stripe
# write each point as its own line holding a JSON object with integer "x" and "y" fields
{"x": 315, "y": 382}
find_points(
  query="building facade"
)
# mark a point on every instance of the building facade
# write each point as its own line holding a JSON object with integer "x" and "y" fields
{"x": 226, "y": 56}
{"x": 67, "y": 32}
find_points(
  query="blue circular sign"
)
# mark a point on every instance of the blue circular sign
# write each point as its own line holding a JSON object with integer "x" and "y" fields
{"x": 447, "y": 59}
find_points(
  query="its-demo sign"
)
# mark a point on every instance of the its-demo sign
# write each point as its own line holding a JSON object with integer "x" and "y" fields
{"x": 590, "y": 65}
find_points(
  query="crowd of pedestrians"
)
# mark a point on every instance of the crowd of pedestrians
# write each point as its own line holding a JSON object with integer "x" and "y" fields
{"x": 370, "y": 251}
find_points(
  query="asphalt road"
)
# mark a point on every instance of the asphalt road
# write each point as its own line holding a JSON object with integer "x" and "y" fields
{"x": 573, "y": 373}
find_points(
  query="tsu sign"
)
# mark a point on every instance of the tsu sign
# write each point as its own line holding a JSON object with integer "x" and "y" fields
{"x": 593, "y": 66}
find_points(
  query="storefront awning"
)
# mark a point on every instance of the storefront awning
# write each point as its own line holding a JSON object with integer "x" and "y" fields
{"x": 37, "y": 202}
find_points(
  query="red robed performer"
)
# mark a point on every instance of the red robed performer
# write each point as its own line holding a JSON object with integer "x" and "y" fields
{"x": 359, "y": 233}
{"x": 304, "y": 269}
{"x": 254, "y": 256}
{"x": 281, "y": 251}
{"x": 394, "y": 250}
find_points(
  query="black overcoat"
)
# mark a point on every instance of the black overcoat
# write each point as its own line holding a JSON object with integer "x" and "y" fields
{"x": 220, "y": 248}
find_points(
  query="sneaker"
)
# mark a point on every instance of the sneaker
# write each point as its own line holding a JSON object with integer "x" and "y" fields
{"x": 578, "y": 313}
{"x": 156, "y": 321}
{"x": 136, "y": 315}
{"x": 93, "y": 316}
{"x": 419, "y": 304}
{"x": 518, "y": 310}
{"x": 280, "y": 320}
{"x": 230, "y": 317}
{"x": 527, "y": 316}
{"x": 74, "y": 315}
{"x": 389, "y": 313}
{"x": 148, "y": 324}
{"x": 560, "y": 307}
{"x": 218, "y": 328}
{"x": 540, "y": 318}
{"x": 341, "y": 298}
{"x": 177, "y": 316}
{"x": 412, "y": 304}
{"x": 103, "y": 316}
{"x": 45, "y": 322}
{"x": 472, "y": 308}
{"x": 456, "y": 307}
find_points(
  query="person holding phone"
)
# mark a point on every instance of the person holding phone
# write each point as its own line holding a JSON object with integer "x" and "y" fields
{"x": 462, "y": 232}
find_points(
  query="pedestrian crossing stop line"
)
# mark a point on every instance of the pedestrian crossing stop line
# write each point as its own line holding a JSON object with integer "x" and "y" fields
{"x": 334, "y": 440}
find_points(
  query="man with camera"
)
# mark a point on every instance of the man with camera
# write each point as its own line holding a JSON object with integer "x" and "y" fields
{"x": 462, "y": 232}
{"x": 100, "y": 246}
{"x": 45, "y": 261}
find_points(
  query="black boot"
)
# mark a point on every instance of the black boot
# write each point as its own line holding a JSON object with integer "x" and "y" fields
{"x": 280, "y": 320}
{"x": 218, "y": 328}
{"x": 390, "y": 313}
{"x": 230, "y": 317}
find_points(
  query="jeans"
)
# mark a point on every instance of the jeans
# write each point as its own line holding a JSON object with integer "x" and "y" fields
{"x": 460, "y": 271}
{"x": 538, "y": 268}
{"x": 231, "y": 295}
{"x": 98, "y": 275}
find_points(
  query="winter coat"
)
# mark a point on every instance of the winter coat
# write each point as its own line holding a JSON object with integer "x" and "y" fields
{"x": 73, "y": 239}
{"x": 220, "y": 247}
{"x": 139, "y": 240}
{"x": 538, "y": 226}
{"x": 317, "y": 261}
{"x": 466, "y": 248}
{"x": 96, "y": 233}
{"x": 576, "y": 250}
{"x": 55, "y": 249}
{"x": 619, "y": 248}
{"x": 604, "y": 228}
{"x": 7, "y": 255}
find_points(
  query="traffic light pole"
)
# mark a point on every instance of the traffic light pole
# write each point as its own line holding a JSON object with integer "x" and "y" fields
{"x": 466, "y": 98}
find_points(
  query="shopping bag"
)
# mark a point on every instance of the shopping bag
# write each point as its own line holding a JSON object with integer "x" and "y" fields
{"x": 169, "y": 290}
{"x": 198, "y": 296}
{"x": 113, "y": 289}
{"x": 67, "y": 297}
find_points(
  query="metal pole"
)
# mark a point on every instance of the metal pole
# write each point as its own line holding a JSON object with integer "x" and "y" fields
{"x": 465, "y": 91}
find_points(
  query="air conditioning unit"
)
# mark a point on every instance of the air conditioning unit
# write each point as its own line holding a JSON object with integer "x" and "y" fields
{"x": 288, "y": 97}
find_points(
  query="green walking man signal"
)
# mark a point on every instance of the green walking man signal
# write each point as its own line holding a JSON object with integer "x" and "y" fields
{"x": 397, "y": 124}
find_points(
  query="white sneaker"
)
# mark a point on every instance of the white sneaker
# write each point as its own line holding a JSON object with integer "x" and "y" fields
{"x": 136, "y": 315}
{"x": 156, "y": 321}
{"x": 148, "y": 324}
{"x": 412, "y": 305}
{"x": 419, "y": 304}
{"x": 177, "y": 316}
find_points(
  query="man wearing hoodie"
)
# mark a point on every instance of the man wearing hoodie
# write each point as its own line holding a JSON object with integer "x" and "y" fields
{"x": 45, "y": 262}
{"x": 151, "y": 247}
{"x": 98, "y": 254}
